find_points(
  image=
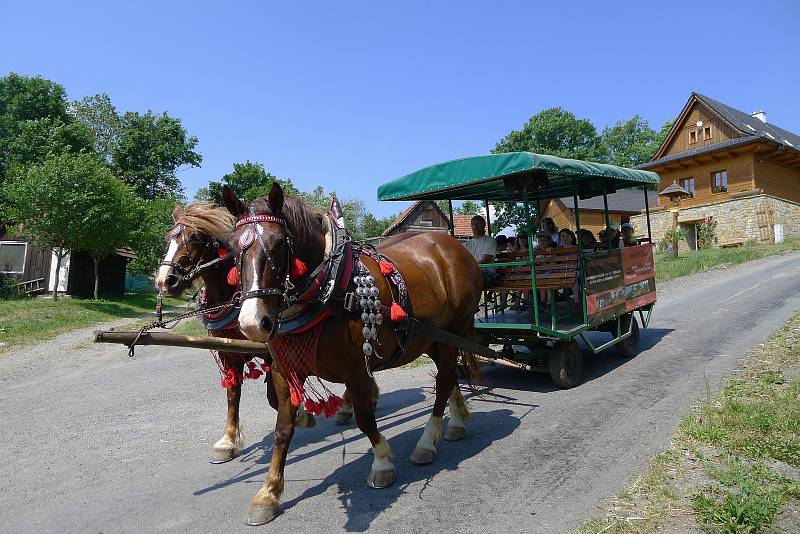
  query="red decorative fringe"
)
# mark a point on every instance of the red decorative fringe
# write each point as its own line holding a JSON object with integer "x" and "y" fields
{"x": 328, "y": 407}
{"x": 233, "y": 377}
{"x": 396, "y": 313}
{"x": 386, "y": 267}
{"x": 253, "y": 372}
{"x": 233, "y": 277}
{"x": 297, "y": 269}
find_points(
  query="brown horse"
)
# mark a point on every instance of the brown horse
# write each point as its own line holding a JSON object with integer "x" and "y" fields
{"x": 443, "y": 282}
{"x": 200, "y": 232}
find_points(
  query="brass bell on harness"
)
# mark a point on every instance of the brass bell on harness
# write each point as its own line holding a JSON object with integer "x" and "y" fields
{"x": 367, "y": 348}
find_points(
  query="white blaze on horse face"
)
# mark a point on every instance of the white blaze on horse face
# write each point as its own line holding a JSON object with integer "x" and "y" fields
{"x": 253, "y": 310}
{"x": 163, "y": 271}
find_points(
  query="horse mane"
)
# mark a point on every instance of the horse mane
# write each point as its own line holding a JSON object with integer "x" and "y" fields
{"x": 303, "y": 221}
{"x": 208, "y": 218}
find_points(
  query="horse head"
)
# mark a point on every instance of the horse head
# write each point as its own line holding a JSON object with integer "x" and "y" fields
{"x": 262, "y": 244}
{"x": 195, "y": 240}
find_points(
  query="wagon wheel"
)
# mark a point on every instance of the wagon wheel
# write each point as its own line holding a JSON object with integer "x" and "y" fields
{"x": 629, "y": 347}
{"x": 566, "y": 364}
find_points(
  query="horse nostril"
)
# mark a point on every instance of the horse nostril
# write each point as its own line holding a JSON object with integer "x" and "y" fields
{"x": 171, "y": 280}
{"x": 266, "y": 324}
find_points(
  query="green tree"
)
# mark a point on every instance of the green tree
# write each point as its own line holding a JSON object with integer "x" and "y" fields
{"x": 150, "y": 150}
{"x": 147, "y": 238}
{"x": 468, "y": 207}
{"x": 555, "y": 132}
{"x": 100, "y": 116}
{"x": 72, "y": 202}
{"x": 629, "y": 143}
{"x": 249, "y": 180}
{"x": 373, "y": 226}
{"x": 355, "y": 210}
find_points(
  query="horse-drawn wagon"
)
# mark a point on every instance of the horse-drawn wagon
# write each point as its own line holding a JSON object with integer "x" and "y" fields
{"x": 314, "y": 304}
{"x": 611, "y": 285}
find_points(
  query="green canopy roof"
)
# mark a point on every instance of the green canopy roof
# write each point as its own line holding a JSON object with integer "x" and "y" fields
{"x": 486, "y": 177}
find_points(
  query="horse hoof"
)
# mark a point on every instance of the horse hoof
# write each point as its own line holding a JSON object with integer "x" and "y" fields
{"x": 422, "y": 456}
{"x": 220, "y": 456}
{"x": 308, "y": 421}
{"x": 342, "y": 418}
{"x": 261, "y": 514}
{"x": 455, "y": 433}
{"x": 380, "y": 479}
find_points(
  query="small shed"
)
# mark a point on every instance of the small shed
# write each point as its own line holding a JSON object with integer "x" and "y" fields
{"x": 22, "y": 260}
{"x": 421, "y": 216}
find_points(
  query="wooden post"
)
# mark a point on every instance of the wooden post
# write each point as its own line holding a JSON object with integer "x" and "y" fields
{"x": 177, "y": 340}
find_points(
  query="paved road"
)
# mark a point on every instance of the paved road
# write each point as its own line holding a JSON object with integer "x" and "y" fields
{"x": 92, "y": 440}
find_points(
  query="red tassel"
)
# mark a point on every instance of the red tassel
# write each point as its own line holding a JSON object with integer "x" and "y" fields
{"x": 233, "y": 377}
{"x": 253, "y": 371}
{"x": 265, "y": 367}
{"x": 396, "y": 313}
{"x": 297, "y": 269}
{"x": 296, "y": 397}
{"x": 233, "y": 277}
{"x": 332, "y": 405}
{"x": 313, "y": 407}
{"x": 386, "y": 267}
{"x": 222, "y": 252}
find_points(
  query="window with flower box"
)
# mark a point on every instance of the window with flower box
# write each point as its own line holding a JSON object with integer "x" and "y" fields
{"x": 719, "y": 179}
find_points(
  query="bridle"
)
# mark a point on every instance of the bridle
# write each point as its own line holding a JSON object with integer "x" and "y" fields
{"x": 247, "y": 238}
{"x": 188, "y": 275}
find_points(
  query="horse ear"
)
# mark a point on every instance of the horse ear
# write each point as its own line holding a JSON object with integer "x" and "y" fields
{"x": 232, "y": 202}
{"x": 177, "y": 212}
{"x": 276, "y": 198}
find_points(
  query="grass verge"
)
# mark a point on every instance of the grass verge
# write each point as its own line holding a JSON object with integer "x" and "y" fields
{"x": 734, "y": 463}
{"x": 711, "y": 259}
{"x": 30, "y": 320}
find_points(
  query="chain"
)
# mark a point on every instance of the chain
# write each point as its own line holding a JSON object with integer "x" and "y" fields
{"x": 178, "y": 318}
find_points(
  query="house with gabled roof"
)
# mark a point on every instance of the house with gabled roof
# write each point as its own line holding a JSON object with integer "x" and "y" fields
{"x": 421, "y": 216}
{"x": 622, "y": 205}
{"x": 736, "y": 167}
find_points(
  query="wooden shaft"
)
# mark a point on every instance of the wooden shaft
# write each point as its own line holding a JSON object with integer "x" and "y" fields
{"x": 177, "y": 340}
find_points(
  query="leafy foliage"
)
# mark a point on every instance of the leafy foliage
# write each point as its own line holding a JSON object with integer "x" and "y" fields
{"x": 249, "y": 180}
{"x": 99, "y": 115}
{"x": 630, "y": 143}
{"x": 147, "y": 238}
{"x": 707, "y": 232}
{"x": 468, "y": 207}
{"x": 355, "y": 211}
{"x": 150, "y": 151}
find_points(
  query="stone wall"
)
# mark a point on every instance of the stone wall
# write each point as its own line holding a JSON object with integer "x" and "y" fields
{"x": 738, "y": 220}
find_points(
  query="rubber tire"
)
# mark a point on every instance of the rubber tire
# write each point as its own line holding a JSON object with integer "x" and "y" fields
{"x": 566, "y": 364}
{"x": 629, "y": 347}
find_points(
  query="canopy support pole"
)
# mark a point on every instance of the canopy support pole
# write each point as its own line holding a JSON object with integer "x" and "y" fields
{"x": 605, "y": 209}
{"x": 647, "y": 214}
{"x": 579, "y": 242}
{"x": 452, "y": 224}
{"x": 488, "y": 220}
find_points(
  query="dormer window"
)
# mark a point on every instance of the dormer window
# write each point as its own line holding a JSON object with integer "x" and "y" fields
{"x": 692, "y": 137}
{"x": 706, "y": 133}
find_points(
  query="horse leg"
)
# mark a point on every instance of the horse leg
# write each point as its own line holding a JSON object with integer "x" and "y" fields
{"x": 264, "y": 504}
{"x": 228, "y": 446}
{"x": 345, "y": 412}
{"x": 303, "y": 419}
{"x": 445, "y": 358}
{"x": 459, "y": 415}
{"x": 382, "y": 473}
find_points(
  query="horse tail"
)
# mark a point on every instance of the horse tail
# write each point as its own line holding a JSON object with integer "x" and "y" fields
{"x": 469, "y": 368}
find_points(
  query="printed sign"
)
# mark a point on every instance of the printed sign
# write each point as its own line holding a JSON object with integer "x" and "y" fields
{"x": 640, "y": 276}
{"x": 619, "y": 281}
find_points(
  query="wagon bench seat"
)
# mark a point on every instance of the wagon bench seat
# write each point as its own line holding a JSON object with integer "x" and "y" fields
{"x": 555, "y": 269}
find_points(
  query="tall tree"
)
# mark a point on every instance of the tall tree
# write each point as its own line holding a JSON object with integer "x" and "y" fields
{"x": 355, "y": 210}
{"x": 147, "y": 238}
{"x": 373, "y": 226}
{"x": 469, "y": 207}
{"x": 150, "y": 151}
{"x": 556, "y": 132}
{"x": 629, "y": 143}
{"x": 100, "y": 116}
{"x": 248, "y": 180}
{"x": 72, "y": 202}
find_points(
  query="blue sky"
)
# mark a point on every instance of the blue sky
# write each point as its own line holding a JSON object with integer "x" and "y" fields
{"x": 352, "y": 94}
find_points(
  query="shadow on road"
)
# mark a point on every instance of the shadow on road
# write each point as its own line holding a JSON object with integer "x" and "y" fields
{"x": 594, "y": 365}
{"x": 361, "y": 503}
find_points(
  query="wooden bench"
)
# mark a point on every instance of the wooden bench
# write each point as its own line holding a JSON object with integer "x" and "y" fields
{"x": 555, "y": 269}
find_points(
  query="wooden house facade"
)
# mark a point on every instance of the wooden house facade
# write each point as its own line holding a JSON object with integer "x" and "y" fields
{"x": 23, "y": 261}
{"x": 421, "y": 216}
{"x": 738, "y": 168}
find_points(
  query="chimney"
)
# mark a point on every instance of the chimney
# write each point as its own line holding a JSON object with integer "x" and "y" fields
{"x": 760, "y": 115}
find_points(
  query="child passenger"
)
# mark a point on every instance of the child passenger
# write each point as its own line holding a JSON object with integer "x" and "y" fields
{"x": 628, "y": 239}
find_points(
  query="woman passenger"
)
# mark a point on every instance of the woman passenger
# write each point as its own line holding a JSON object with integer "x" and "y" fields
{"x": 549, "y": 226}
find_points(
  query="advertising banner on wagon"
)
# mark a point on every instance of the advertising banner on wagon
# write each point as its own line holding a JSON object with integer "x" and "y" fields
{"x": 605, "y": 285}
{"x": 640, "y": 276}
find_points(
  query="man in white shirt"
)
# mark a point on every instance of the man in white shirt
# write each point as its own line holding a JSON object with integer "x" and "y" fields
{"x": 481, "y": 246}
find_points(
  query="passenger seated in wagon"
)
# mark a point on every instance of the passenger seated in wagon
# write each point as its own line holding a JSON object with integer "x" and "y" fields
{"x": 628, "y": 239}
